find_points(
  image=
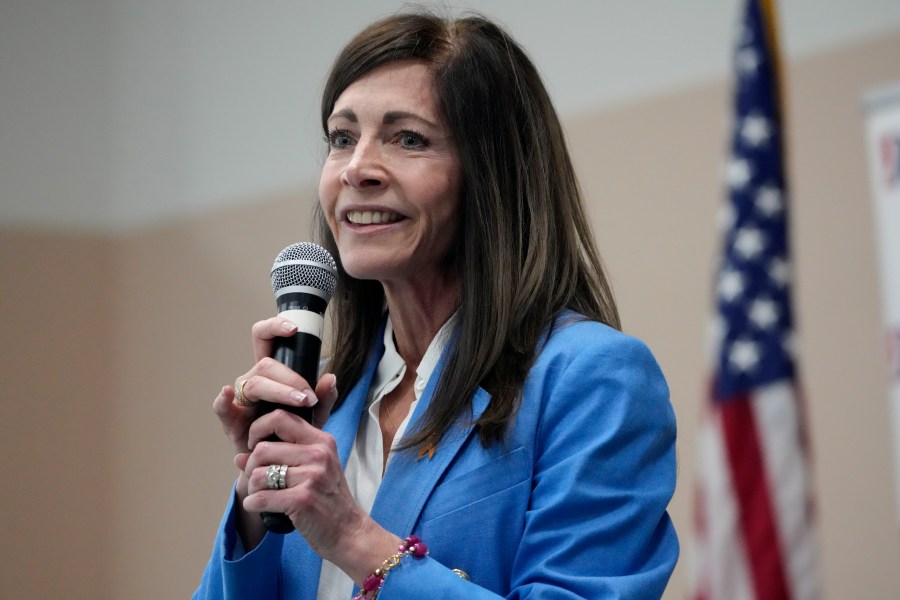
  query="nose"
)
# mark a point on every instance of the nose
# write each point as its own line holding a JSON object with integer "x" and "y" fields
{"x": 365, "y": 168}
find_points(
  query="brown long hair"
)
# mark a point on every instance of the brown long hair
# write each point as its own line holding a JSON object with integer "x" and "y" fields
{"x": 524, "y": 249}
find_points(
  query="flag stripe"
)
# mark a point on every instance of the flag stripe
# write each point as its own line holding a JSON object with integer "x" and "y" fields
{"x": 751, "y": 487}
{"x": 778, "y": 409}
{"x": 720, "y": 567}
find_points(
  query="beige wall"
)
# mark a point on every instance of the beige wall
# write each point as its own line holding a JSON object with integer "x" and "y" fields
{"x": 116, "y": 471}
{"x": 55, "y": 302}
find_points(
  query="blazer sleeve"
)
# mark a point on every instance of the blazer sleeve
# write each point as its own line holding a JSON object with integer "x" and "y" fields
{"x": 604, "y": 474}
{"x": 604, "y": 471}
{"x": 255, "y": 574}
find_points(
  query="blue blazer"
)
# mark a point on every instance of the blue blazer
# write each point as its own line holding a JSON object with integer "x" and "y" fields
{"x": 572, "y": 505}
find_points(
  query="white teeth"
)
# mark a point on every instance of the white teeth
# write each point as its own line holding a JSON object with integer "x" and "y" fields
{"x": 367, "y": 217}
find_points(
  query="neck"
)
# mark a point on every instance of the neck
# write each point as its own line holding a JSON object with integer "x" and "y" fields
{"x": 418, "y": 312}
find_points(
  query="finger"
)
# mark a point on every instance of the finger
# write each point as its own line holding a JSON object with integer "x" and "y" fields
{"x": 263, "y": 332}
{"x": 223, "y": 404}
{"x": 267, "y": 455}
{"x": 235, "y": 419}
{"x": 313, "y": 465}
{"x": 271, "y": 368}
{"x": 240, "y": 460}
{"x": 240, "y": 398}
{"x": 283, "y": 425}
{"x": 327, "y": 392}
{"x": 313, "y": 488}
{"x": 259, "y": 479}
{"x": 227, "y": 409}
{"x": 259, "y": 387}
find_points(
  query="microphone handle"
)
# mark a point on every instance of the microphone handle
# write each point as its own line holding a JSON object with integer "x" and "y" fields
{"x": 301, "y": 353}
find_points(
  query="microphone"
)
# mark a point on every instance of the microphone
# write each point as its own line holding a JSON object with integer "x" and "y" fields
{"x": 304, "y": 277}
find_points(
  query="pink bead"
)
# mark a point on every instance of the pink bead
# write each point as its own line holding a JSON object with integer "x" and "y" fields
{"x": 418, "y": 550}
{"x": 372, "y": 583}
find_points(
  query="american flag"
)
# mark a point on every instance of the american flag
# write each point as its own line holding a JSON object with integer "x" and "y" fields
{"x": 755, "y": 534}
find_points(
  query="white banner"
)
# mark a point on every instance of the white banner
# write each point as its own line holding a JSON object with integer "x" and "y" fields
{"x": 883, "y": 124}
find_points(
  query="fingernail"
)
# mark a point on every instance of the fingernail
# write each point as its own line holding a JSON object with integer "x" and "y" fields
{"x": 301, "y": 397}
{"x": 288, "y": 325}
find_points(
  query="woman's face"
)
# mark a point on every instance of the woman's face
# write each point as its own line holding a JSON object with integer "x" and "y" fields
{"x": 390, "y": 185}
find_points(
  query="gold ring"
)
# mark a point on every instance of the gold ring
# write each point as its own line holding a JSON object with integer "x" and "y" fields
{"x": 239, "y": 398}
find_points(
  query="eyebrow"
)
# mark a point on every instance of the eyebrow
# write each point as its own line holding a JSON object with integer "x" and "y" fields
{"x": 399, "y": 115}
{"x": 344, "y": 114}
{"x": 390, "y": 117}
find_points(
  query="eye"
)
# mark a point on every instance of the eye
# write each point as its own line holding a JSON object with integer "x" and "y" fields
{"x": 339, "y": 138}
{"x": 411, "y": 139}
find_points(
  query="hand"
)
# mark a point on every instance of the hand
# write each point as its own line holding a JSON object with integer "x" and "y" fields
{"x": 271, "y": 381}
{"x": 276, "y": 383}
{"x": 316, "y": 498}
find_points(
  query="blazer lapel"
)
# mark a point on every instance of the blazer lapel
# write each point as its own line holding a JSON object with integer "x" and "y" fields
{"x": 409, "y": 479}
{"x": 343, "y": 423}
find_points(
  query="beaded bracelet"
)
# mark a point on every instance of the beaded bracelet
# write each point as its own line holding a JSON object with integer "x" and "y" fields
{"x": 372, "y": 585}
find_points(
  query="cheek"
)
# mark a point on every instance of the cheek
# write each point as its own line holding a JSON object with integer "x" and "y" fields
{"x": 329, "y": 186}
{"x": 445, "y": 223}
{"x": 452, "y": 203}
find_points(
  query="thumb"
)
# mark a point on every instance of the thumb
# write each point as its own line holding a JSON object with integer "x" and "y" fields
{"x": 327, "y": 393}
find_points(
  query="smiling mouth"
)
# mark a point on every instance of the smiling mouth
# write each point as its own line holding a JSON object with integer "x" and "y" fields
{"x": 368, "y": 217}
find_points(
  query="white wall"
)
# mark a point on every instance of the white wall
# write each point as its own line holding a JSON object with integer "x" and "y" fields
{"x": 117, "y": 114}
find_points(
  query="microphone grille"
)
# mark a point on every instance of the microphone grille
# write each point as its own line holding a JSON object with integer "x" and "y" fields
{"x": 305, "y": 265}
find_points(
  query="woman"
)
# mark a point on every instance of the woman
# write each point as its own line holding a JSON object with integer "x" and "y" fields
{"x": 487, "y": 405}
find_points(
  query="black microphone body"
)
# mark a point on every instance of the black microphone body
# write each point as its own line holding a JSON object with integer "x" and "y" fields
{"x": 301, "y": 351}
{"x": 303, "y": 279}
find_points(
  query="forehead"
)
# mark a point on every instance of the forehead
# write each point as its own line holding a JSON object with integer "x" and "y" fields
{"x": 407, "y": 85}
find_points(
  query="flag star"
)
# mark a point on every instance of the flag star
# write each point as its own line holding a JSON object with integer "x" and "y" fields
{"x": 779, "y": 271}
{"x": 744, "y": 355}
{"x": 731, "y": 284}
{"x": 769, "y": 200}
{"x": 764, "y": 313}
{"x": 756, "y": 130}
{"x": 738, "y": 173}
{"x": 748, "y": 242}
{"x": 746, "y": 60}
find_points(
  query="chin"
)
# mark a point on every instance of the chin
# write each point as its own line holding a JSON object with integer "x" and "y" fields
{"x": 367, "y": 269}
